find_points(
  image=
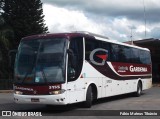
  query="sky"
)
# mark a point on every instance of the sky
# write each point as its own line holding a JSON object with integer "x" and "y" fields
{"x": 116, "y": 19}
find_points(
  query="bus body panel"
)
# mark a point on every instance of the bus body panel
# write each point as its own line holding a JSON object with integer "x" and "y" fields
{"x": 110, "y": 87}
{"x": 76, "y": 91}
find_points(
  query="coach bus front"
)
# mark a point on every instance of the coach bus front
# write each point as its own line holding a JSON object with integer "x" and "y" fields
{"x": 40, "y": 71}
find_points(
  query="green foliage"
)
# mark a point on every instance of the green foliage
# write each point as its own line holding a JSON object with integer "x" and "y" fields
{"x": 1, "y": 5}
{"x": 18, "y": 18}
{"x": 5, "y": 33}
{"x": 25, "y": 17}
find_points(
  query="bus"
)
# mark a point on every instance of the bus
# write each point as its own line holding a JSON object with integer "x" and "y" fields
{"x": 66, "y": 68}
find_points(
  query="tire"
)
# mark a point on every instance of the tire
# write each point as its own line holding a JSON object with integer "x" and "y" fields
{"x": 89, "y": 98}
{"x": 50, "y": 106}
{"x": 139, "y": 90}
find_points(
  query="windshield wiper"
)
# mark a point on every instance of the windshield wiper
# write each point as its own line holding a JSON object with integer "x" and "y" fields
{"x": 44, "y": 76}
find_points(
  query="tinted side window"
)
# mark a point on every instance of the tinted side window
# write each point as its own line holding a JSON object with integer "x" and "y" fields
{"x": 90, "y": 45}
{"x": 128, "y": 54}
{"x": 76, "y": 45}
{"x": 135, "y": 55}
{"x": 145, "y": 57}
{"x": 107, "y": 46}
{"x": 118, "y": 53}
{"x": 114, "y": 50}
{"x": 99, "y": 48}
{"x": 148, "y": 57}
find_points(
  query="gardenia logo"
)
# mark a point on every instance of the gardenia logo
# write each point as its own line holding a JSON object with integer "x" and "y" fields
{"x": 103, "y": 57}
{"x": 137, "y": 69}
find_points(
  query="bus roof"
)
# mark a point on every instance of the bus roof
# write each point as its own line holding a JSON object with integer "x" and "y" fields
{"x": 81, "y": 34}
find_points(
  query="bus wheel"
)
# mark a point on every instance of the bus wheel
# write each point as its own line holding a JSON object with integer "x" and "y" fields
{"x": 139, "y": 90}
{"x": 89, "y": 98}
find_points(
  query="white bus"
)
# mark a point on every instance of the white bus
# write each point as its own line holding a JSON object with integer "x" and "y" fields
{"x": 66, "y": 68}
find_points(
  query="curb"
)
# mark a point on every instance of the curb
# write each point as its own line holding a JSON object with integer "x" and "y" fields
{"x": 6, "y": 91}
{"x": 155, "y": 85}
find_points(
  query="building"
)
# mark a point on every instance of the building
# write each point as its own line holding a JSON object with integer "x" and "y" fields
{"x": 154, "y": 46}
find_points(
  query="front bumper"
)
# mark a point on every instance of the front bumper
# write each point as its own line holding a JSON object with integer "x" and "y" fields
{"x": 42, "y": 99}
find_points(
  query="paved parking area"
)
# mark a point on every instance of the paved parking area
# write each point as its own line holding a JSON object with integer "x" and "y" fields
{"x": 150, "y": 100}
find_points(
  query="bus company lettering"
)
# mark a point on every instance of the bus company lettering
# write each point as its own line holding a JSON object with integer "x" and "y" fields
{"x": 22, "y": 88}
{"x": 122, "y": 68}
{"x": 138, "y": 69}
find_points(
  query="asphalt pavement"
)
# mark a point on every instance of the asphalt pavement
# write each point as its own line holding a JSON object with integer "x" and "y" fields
{"x": 111, "y": 107}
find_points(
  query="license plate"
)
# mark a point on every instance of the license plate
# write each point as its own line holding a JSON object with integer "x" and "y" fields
{"x": 35, "y": 100}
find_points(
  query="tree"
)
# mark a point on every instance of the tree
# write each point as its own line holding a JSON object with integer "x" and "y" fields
{"x": 25, "y": 17}
{"x": 5, "y": 34}
{"x": 1, "y": 5}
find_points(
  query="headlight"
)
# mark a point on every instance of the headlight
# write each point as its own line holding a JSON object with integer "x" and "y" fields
{"x": 56, "y": 92}
{"x": 18, "y": 92}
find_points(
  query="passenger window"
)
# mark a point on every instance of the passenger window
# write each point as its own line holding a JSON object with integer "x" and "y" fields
{"x": 118, "y": 53}
{"x": 101, "y": 47}
{"x": 128, "y": 54}
{"x": 75, "y": 61}
{"x": 90, "y": 45}
{"x": 135, "y": 56}
{"x": 145, "y": 57}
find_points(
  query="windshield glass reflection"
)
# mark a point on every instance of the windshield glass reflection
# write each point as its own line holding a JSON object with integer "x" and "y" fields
{"x": 40, "y": 61}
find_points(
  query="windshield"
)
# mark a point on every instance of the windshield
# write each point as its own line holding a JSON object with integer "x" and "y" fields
{"x": 40, "y": 61}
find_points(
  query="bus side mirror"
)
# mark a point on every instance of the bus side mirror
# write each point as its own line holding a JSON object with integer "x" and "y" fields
{"x": 12, "y": 56}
